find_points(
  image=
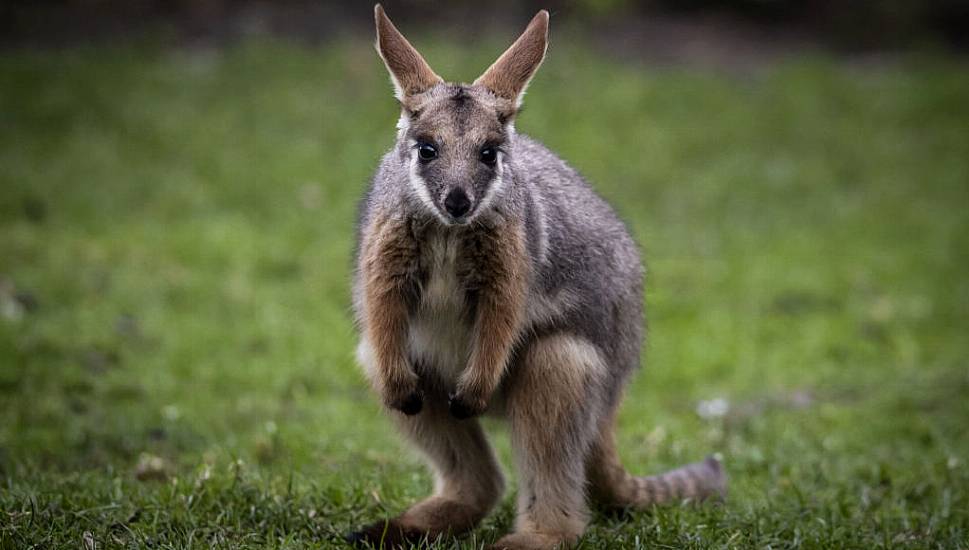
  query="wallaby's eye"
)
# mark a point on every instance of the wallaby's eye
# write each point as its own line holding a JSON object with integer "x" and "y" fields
{"x": 489, "y": 155}
{"x": 426, "y": 151}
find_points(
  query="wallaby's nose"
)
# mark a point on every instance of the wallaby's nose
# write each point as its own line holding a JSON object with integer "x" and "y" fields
{"x": 457, "y": 203}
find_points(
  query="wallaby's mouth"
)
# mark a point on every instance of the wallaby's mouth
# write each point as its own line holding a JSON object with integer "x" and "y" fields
{"x": 451, "y": 220}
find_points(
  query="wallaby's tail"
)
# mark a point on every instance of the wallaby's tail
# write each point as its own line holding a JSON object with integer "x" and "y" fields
{"x": 614, "y": 486}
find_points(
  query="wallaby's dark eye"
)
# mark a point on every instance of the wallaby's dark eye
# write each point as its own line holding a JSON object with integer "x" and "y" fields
{"x": 426, "y": 151}
{"x": 489, "y": 155}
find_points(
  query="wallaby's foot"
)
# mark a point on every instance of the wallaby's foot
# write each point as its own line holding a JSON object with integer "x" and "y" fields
{"x": 428, "y": 520}
{"x": 533, "y": 541}
{"x": 384, "y": 534}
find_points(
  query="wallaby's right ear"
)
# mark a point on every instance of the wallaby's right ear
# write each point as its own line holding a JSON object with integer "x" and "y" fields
{"x": 509, "y": 76}
{"x": 409, "y": 72}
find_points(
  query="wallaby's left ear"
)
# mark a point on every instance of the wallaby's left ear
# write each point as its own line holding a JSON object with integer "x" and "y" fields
{"x": 408, "y": 70}
{"x": 508, "y": 77}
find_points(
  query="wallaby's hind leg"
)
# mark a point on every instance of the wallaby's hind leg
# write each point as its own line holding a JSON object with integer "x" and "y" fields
{"x": 551, "y": 406}
{"x": 467, "y": 479}
{"x": 613, "y": 486}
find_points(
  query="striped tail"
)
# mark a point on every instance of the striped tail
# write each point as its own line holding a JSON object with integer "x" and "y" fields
{"x": 614, "y": 486}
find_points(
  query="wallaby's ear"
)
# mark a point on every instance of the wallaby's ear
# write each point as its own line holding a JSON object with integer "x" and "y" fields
{"x": 508, "y": 77}
{"x": 409, "y": 72}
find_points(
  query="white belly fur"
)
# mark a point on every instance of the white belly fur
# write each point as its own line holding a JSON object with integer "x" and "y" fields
{"x": 440, "y": 334}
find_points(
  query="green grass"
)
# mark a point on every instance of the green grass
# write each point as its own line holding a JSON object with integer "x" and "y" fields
{"x": 183, "y": 221}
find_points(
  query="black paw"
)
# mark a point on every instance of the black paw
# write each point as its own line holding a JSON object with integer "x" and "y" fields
{"x": 412, "y": 404}
{"x": 461, "y": 408}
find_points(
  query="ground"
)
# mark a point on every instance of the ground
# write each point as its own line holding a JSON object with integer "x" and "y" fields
{"x": 176, "y": 349}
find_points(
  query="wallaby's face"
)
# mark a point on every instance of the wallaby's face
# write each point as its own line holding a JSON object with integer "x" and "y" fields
{"x": 454, "y": 137}
{"x": 454, "y": 144}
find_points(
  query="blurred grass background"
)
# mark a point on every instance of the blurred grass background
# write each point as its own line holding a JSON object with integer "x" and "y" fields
{"x": 175, "y": 245}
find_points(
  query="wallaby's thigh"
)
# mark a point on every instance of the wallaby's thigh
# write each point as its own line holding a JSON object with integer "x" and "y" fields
{"x": 553, "y": 407}
{"x": 467, "y": 478}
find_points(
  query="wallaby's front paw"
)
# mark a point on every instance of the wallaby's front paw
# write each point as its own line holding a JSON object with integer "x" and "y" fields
{"x": 412, "y": 404}
{"x": 463, "y": 406}
{"x": 403, "y": 394}
{"x": 408, "y": 403}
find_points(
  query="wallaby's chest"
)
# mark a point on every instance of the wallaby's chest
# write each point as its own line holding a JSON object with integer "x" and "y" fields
{"x": 439, "y": 333}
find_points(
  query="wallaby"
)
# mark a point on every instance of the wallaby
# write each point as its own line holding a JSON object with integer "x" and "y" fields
{"x": 491, "y": 278}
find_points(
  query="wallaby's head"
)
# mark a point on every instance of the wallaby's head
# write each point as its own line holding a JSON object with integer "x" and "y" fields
{"x": 454, "y": 137}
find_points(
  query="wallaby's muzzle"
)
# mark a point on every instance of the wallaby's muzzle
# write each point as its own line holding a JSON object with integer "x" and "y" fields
{"x": 457, "y": 203}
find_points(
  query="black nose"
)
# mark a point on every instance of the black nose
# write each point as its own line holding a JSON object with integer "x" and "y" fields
{"x": 457, "y": 203}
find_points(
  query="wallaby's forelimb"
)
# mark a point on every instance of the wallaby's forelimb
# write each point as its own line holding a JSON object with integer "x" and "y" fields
{"x": 498, "y": 277}
{"x": 388, "y": 260}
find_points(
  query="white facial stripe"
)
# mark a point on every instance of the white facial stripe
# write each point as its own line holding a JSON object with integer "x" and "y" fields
{"x": 499, "y": 182}
{"x": 495, "y": 188}
{"x": 419, "y": 186}
{"x": 403, "y": 123}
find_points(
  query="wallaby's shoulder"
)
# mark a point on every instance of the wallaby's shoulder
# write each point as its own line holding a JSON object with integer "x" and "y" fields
{"x": 547, "y": 172}
{"x": 534, "y": 156}
{"x": 567, "y": 198}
